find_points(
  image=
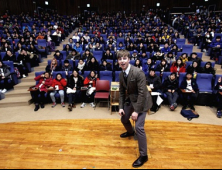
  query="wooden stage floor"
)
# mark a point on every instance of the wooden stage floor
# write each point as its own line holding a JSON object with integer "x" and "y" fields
{"x": 95, "y": 144}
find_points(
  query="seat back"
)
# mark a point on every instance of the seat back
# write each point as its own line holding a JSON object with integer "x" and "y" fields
{"x": 181, "y": 78}
{"x": 203, "y": 63}
{"x": 188, "y": 63}
{"x": 102, "y": 86}
{"x": 117, "y": 76}
{"x": 187, "y": 48}
{"x": 204, "y": 82}
{"x": 106, "y": 75}
{"x": 41, "y": 42}
{"x": 3, "y": 55}
{"x": 181, "y": 41}
{"x": 98, "y": 55}
{"x": 165, "y": 74}
{"x": 10, "y": 64}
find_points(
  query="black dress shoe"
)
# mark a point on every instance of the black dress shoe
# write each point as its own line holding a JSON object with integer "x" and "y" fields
{"x": 42, "y": 106}
{"x": 125, "y": 135}
{"x": 36, "y": 108}
{"x": 140, "y": 161}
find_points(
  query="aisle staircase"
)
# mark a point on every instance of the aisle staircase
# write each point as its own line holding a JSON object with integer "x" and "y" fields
{"x": 20, "y": 96}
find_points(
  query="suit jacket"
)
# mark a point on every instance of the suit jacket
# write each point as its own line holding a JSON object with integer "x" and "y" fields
{"x": 136, "y": 91}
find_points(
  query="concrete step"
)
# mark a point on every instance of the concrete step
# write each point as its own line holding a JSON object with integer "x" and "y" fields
{"x": 24, "y": 85}
{"x": 17, "y": 93}
{"x": 15, "y": 101}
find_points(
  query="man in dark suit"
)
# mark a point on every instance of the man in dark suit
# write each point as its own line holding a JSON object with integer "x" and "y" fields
{"x": 135, "y": 101}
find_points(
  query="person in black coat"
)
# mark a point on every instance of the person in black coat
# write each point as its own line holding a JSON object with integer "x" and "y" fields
{"x": 24, "y": 59}
{"x": 58, "y": 55}
{"x": 154, "y": 82}
{"x": 208, "y": 69}
{"x": 193, "y": 57}
{"x": 75, "y": 82}
{"x": 163, "y": 67}
{"x": 4, "y": 76}
{"x": 218, "y": 88}
{"x": 67, "y": 67}
{"x": 170, "y": 87}
{"x": 107, "y": 55}
{"x": 191, "y": 91}
{"x": 93, "y": 65}
{"x": 195, "y": 69}
{"x": 106, "y": 66}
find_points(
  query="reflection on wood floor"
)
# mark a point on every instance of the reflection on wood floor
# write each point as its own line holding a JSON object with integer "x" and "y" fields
{"x": 95, "y": 144}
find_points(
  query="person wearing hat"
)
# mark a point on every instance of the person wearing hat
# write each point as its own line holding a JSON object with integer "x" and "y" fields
{"x": 73, "y": 56}
{"x": 190, "y": 86}
{"x": 134, "y": 56}
{"x": 67, "y": 67}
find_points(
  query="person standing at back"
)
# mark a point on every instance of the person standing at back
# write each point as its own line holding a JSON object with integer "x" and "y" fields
{"x": 135, "y": 101}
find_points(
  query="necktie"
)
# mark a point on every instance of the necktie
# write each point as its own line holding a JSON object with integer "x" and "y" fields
{"x": 125, "y": 77}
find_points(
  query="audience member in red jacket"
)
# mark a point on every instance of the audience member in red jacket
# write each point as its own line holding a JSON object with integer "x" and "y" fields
{"x": 178, "y": 67}
{"x": 59, "y": 84}
{"x": 90, "y": 82}
{"x": 39, "y": 91}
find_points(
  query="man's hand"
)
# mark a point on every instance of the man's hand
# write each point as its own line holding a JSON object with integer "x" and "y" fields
{"x": 121, "y": 112}
{"x": 134, "y": 116}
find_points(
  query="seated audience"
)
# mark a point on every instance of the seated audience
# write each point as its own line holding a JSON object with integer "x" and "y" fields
{"x": 52, "y": 67}
{"x": 170, "y": 87}
{"x": 195, "y": 69}
{"x": 75, "y": 82}
{"x": 191, "y": 91}
{"x": 81, "y": 67}
{"x": 58, "y": 85}
{"x": 67, "y": 67}
{"x": 73, "y": 56}
{"x": 90, "y": 82}
{"x": 163, "y": 67}
{"x": 39, "y": 95}
{"x": 154, "y": 82}
{"x": 208, "y": 69}
{"x": 178, "y": 67}
{"x": 105, "y": 66}
{"x": 5, "y": 77}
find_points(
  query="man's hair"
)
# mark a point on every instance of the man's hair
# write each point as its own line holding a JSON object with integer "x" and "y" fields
{"x": 123, "y": 53}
